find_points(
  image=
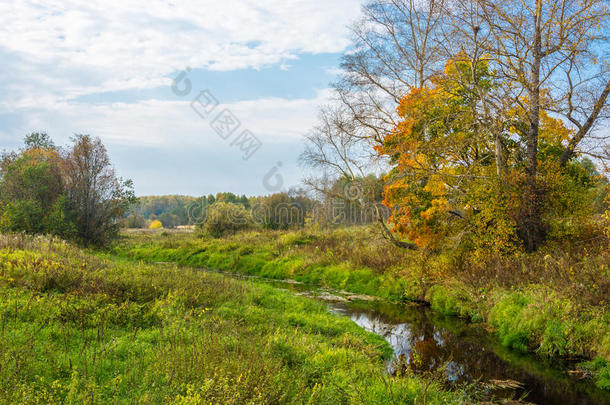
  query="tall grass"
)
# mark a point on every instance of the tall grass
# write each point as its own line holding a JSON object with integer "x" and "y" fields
{"x": 553, "y": 302}
{"x": 77, "y": 328}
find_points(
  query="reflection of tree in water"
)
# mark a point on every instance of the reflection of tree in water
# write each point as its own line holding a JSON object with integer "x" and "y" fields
{"x": 467, "y": 353}
{"x": 426, "y": 355}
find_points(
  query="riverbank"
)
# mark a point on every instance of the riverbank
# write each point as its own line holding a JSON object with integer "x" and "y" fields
{"x": 553, "y": 302}
{"x": 80, "y": 328}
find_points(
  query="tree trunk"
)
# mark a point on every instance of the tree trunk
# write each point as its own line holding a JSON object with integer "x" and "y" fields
{"x": 530, "y": 226}
{"x": 387, "y": 233}
{"x": 500, "y": 158}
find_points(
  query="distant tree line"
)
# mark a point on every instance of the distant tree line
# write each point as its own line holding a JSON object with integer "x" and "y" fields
{"x": 176, "y": 210}
{"x": 72, "y": 192}
{"x": 351, "y": 202}
{"x": 170, "y": 210}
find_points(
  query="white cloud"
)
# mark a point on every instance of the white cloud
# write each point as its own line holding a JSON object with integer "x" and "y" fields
{"x": 54, "y": 51}
{"x": 173, "y": 124}
{"x": 64, "y": 49}
{"x": 165, "y": 147}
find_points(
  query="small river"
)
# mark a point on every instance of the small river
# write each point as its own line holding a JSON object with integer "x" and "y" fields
{"x": 468, "y": 352}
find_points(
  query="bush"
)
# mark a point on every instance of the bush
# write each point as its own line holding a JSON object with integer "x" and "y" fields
{"x": 226, "y": 218}
{"x": 22, "y": 216}
{"x": 156, "y": 224}
{"x": 60, "y": 220}
{"x": 601, "y": 368}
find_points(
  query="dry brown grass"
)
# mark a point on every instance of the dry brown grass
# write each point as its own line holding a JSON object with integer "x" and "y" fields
{"x": 577, "y": 269}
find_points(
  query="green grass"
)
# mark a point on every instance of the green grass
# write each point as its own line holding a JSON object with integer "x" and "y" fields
{"x": 553, "y": 302}
{"x": 78, "y": 328}
{"x": 267, "y": 254}
{"x": 601, "y": 368}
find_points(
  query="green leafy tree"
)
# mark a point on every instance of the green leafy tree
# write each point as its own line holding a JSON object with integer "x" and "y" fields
{"x": 61, "y": 220}
{"x": 233, "y": 199}
{"x": 169, "y": 220}
{"x": 174, "y": 205}
{"x": 280, "y": 211}
{"x": 30, "y": 186}
{"x": 22, "y": 216}
{"x": 74, "y": 194}
{"x": 135, "y": 221}
{"x": 226, "y": 218}
{"x": 39, "y": 140}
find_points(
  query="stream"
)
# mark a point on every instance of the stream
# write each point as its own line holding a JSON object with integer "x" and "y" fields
{"x": 468, "y": 352}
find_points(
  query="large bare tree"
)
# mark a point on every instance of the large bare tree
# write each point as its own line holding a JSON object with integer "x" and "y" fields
{"x": 547, "y": 56}
{"x": 397, "y": 47}
{"x": 552, "y": 57}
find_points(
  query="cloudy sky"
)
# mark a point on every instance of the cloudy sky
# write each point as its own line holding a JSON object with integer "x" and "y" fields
{"x": 107, "y": 67}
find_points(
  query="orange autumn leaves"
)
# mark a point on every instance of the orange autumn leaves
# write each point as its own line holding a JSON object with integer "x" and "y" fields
{"x": 430, "y": 149}
{"x": 444, "y": 184}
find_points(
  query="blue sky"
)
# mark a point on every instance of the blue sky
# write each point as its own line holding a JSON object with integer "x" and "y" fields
{"x": 106, "y": 68}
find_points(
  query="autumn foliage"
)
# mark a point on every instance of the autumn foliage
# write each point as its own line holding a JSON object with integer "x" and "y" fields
{"x": 450, "y": 185}
{"x": 73, "y": 193}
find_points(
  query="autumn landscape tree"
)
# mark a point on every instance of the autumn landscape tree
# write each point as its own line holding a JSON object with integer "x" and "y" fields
{"x": 73, "y": 192}
{"x": 486, "y": 117}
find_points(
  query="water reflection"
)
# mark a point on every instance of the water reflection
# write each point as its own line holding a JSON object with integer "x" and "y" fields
{"x": 467, "y": 351}
{"x": 469, "y": 354}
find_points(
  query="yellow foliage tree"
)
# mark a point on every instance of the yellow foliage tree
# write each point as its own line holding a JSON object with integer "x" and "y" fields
{"x": 156, "y": 224}
{"x": 450, "y": 185}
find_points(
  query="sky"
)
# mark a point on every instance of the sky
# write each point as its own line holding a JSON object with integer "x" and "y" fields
{"x": 189, "y": 97}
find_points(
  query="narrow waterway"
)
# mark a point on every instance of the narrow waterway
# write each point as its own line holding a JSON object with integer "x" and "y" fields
{"x": 470, "y": 353}
{"x": 467, "y": 352}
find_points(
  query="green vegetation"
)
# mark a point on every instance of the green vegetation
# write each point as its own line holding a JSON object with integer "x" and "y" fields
{"x": 79, "y": 328}
{"x": 276, "y": 211}
{"x": 470, "y": 133}
{"x": 533, "y": 301}
{"x": 73, "y": 193}
{"x": 223, "y": 218}
{"x": 171, "y": 210}
{"x": 601, "y": 368}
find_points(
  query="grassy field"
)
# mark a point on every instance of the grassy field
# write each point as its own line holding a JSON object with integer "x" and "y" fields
{"x": 553, "y": 302}
{"x": 84, "y": 329}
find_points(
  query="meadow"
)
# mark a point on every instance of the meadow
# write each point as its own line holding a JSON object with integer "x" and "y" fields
{"x": 82, "y": 327}
{"x": 454, "y": 159}
{"x": 553, "y": 302}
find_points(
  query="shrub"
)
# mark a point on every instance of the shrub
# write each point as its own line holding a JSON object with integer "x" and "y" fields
{"x": 21, "y": 215}
{"x": 601, "y": 368}
{"x": 156, "y": 224}
{"x": 226, "y": 218}
{"x": 60, "y": 220}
